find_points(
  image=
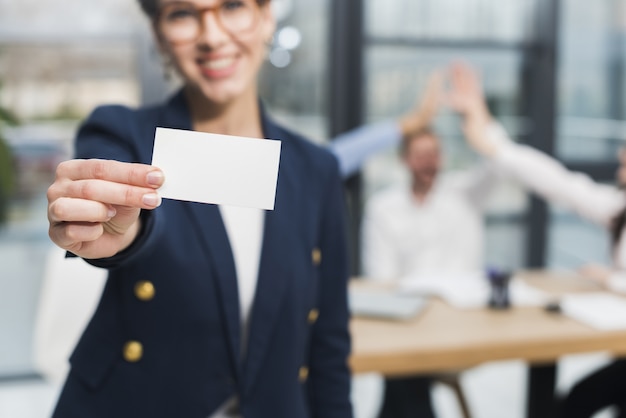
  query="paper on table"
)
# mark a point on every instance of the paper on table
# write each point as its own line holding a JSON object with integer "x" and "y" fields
{"x": 384, "y": 305}
{"x": 469, "y": 290}
{"x": 599, "y": 310}
{"x": 220, "y": 169}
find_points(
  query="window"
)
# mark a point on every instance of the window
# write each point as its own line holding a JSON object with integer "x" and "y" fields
{"x": 404, "y": 42}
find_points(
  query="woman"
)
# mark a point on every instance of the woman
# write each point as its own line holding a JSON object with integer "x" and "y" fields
{"x": 603, "y": 204}
{"x": 208, "y": 311}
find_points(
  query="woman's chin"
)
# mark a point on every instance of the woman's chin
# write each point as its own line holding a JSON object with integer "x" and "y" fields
{"x": 219, "y": 95}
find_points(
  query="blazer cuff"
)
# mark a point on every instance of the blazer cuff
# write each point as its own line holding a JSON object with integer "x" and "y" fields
{"x": 146, "y": 234}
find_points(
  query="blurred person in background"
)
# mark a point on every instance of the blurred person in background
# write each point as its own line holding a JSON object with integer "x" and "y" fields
{"x": 207, "y": 311}
{"x": 434, "y": 225}
{"x": 600, "y": 203}
{"x": 404, "y": 232}
{"x": 354, "y": 147}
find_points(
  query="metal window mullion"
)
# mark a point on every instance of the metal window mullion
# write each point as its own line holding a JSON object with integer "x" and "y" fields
{"x": 540, "y": 102}
{"x": 346, "y": 98}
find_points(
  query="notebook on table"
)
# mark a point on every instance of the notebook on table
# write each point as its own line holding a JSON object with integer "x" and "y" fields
{"x": 381, "y": 305}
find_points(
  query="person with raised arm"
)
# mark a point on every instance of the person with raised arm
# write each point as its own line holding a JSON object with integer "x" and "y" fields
{"x": 603, "y": 204}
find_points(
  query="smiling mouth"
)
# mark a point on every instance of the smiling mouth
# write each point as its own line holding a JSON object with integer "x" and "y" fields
{"x": 218, "y": 64}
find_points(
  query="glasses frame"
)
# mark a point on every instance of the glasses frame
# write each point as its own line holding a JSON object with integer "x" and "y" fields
{"x": 202, "y": 11}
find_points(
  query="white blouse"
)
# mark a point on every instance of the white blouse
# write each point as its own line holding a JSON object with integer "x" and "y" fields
{"x": 244, "y": 227}
{"x": 599, "y": 203}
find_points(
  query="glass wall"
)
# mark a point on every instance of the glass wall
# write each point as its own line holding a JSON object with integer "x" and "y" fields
{"x": 591, "y": 116}
{"x": 56, "y": 64}
{"x": 293, "y": 82}
{"x": 405, "y": 41}
{"x": 450, "y": 19}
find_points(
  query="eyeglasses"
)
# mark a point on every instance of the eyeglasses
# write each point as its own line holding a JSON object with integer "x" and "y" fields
{"x": 181, "y": 21}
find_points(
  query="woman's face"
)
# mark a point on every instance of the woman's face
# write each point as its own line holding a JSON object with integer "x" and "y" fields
{"x": 222, "y": 61}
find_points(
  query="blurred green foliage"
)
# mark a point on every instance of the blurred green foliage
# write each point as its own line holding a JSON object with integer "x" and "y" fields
{"x": 7, "y": 170}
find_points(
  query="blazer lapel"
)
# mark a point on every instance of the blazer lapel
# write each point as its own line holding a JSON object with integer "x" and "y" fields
{"x": 214, "y": 237}
{"x": 274, "y": 274}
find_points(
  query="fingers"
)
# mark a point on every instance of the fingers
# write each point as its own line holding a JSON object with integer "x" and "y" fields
{"x": 465, "y": 79}
{"x": 141, "y": 175}
{"x": 66, "y": 209}
{"x": 105, "y": 192}
{"x": 109, "y": 182}
{"x": 113, "y": 193}
{"x": 71, "y": 236}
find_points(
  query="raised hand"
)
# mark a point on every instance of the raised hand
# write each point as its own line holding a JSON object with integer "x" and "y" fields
{"x": 94, "y": 205}
{"x": 426, "y": 107}
{"x": 466, "y": 97}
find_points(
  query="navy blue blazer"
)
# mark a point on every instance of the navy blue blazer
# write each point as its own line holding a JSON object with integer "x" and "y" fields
{"x": 173, "y": 348}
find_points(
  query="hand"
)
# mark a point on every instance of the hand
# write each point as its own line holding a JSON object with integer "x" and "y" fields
{"x": 94, "y": 205}
{"x": 425, "y": 110}
{"x": 596, "y": 272}
{"x": 466, "y": 97}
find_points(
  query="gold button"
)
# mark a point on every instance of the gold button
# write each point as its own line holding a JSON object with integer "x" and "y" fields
{"x": 316, "y": 256}
{"x": 303, "y": 374}
{"x": 133, "y": 351}
{"x": 144, "y": 290}
{"x": 313, "y": 314}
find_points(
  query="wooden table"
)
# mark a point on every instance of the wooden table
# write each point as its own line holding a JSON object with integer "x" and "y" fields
{"x": 443, "y": 338}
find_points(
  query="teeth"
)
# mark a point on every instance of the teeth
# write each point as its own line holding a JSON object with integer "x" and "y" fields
{"x": 218, "y": 64}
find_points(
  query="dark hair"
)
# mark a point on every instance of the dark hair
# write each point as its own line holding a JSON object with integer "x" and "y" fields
{"x": 151, "y": 7}
{"x": 407, "y": 139}
{"x": 617, "y": 227}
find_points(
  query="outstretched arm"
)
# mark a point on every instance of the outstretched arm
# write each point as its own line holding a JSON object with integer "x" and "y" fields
{"x": 537, "y": 171}
{"x": 354, "y": 147}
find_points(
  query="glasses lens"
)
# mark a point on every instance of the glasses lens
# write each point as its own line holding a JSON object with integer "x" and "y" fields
{"x": 179, "y": 22}
{"x": 238, "y": 15}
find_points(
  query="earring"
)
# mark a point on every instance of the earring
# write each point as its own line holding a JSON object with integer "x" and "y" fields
{"x": 168, "y": 67}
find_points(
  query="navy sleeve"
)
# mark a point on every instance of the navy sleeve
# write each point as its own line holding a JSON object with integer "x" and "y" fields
{"x": 113, "y": 133}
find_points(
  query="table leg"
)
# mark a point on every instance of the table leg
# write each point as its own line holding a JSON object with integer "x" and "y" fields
{"x": 541, "y": 388}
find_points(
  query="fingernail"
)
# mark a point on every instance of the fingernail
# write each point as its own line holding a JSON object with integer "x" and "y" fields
{"x": 111, "y": 212}
{"x": 152, "y": 199}
{"x": 155, "y": 178}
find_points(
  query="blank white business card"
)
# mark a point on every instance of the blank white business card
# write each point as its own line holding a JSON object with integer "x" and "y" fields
{"x": 219, "y": 169}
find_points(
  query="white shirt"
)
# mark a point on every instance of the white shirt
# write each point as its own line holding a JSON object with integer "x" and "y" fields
{"x": 244, "y": 227}
{"x": 599, "y": 203}
{"x": 444, "y": 233}
{"x": 547, "y": 177}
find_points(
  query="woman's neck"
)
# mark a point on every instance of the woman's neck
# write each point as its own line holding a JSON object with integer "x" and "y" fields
{"x": 240, "y": 117}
